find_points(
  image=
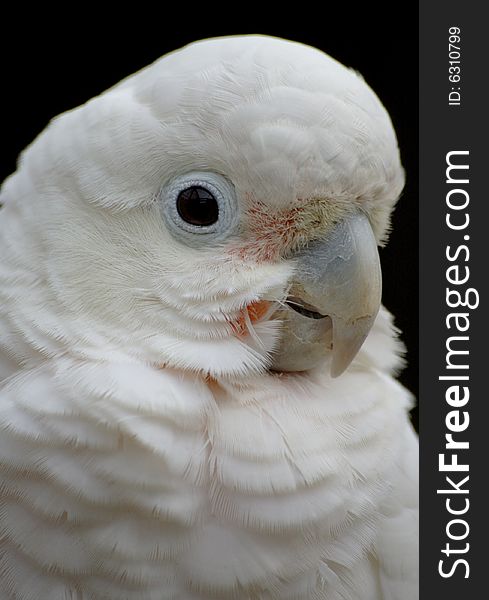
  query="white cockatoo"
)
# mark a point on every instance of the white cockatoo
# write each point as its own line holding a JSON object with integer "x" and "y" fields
{"x": 197, "y": 397}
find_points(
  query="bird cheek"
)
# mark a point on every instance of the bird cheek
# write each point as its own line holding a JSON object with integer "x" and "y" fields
{"x": 260, "y": 250}
{"x": 268, "y": 233}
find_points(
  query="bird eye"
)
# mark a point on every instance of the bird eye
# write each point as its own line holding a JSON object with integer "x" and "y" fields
{"x": 199, "y": 207}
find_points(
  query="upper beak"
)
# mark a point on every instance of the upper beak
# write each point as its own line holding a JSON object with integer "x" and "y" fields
{"x": 337, "y": 277}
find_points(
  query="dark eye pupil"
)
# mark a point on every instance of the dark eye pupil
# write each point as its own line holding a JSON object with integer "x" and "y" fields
{"x": 197, "y": 206}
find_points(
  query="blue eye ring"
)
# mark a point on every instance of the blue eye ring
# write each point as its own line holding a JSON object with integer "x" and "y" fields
{"x": 213, "y": 186}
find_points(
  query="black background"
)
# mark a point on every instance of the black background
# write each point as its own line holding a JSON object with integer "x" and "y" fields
{"x": 56, "y": 67}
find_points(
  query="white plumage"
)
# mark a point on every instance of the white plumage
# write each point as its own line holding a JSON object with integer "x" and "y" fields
{"x": 146, "y": 451}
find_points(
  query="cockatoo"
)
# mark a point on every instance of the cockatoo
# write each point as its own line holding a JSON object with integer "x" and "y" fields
{"x": 198, "y": 397}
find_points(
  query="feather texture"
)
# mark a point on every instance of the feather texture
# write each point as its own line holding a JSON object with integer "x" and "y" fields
{"x": 121, "y": 472}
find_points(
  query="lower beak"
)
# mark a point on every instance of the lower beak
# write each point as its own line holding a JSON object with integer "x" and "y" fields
{"x": 333, "y": 300}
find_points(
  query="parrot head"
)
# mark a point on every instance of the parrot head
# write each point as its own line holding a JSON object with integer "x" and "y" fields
{"x": 218, "y": 212}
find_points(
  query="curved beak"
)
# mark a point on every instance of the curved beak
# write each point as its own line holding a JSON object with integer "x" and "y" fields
{"x": 333, "y": 300}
